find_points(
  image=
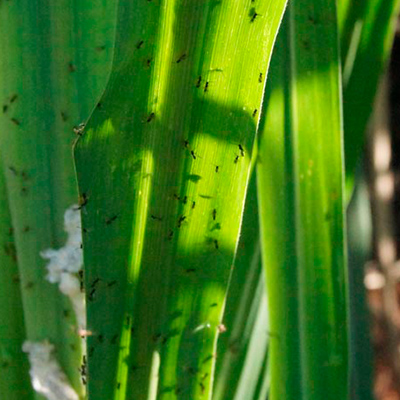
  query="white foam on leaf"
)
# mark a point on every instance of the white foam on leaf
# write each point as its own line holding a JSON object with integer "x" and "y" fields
{"x": 47, "y": 376}
{"x": 66, "y": 262}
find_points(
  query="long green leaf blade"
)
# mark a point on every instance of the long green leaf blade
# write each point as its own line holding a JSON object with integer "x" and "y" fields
{"x": 367, "y": 30}
{"x": 14, "y": 367}
{"x": 45, "y": 91}
{"x": 164, "y": 166}
{"x": 243, "y": 347}
{"x": 300, "y": 193}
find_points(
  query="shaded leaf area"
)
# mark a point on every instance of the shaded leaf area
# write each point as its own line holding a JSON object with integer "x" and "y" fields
{"x": 359, "y": 233}
{"x": 49, "y": 48}
{"x": 164, "y": 163}
{"x": 14, "y": 367}
{"x": 301, "y": 209}
{"x": 367, "y": 30}
{"x": 241, "y": 371}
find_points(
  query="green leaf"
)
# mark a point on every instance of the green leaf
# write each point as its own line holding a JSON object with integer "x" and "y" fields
{"x": 301, "y": 209}
{"x": 242, "y": 350}
{"x": 164, "y": 165}
{"x": 55, "y": 62}
{"x": 14, "y": 367}
{"x": 366, "y": 35}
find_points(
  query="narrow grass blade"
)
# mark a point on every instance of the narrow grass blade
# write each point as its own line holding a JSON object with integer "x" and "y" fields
{"x": 301, "y": 209}
{"x": 360, "y": 251}
{"x": 14, "y": 367}
{"x": 48, "y": 49}
{"x": 164, "y": 166}
{"x": 366, "y": 35}
{"x": 238, "y": 368}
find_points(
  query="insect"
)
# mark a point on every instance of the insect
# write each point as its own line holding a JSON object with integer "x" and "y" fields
{"x": 91, "y": 294}
{"x": 15, "y": 121}
{"x": 79, "y": 129}
{"x": 253, "y": 18}
{"x": 181, "y": 58}
{"x": 206, "y": 87}
{"x": 64, "y": 116}
{"x": 193, "y": 204}
{"x": 112, "y": 283}
{"x": 180, "y": 220}
{"x": 236, "y": 159}
{"x": 139, "y": 44}
{"x": 99, "y": 105}
{"x": 114, "y": 339}
{"x": 83, "y": 200}
{"x": 255, "y": 112}
{"x": 241, "y": 150}
{"x": 13, "y": 170}
{"x": 5, "y": 108}
{"x": 198, "y": 83}
{"x": 148, "y": 62}
{"x": 214, "y": 214}
{"x": 13, "y": 98}
{"x": 216, "y": 244}
{"x": 29, "y": 285}
{"x": 150, "y": 117}
{"x": 111, "y": 220}
{"x": 216, "y": 168}
{"x": 71, "y": 67}
{"x": 95, "y": 282}
{"x": 184, "y": 201}
{"x": 186, "y": 143}
{"x": 260, "y": 77}
{"x": 193, "y": 155}
{"x": 156, "y": 218}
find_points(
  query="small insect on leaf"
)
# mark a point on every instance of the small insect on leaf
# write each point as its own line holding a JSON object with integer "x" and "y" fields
{"x": 214, "y": 214}
{"x": 255, "y": 112}
{"x": 83, "y": 200}
{"x": 181, "y": 58}
{"x": 15, "y": 121}
{"x": 253, "y": 14}
{"x": 206, "y": 87}
{"x": 198, "y": 82}
{"x": 193, "y": 155}
{"x": 71, "y": 67}
{"x": 151, "y": 117}
{"x": 180, "y": 220}
{"x": 79, "y": 129}
{"x": 260, "y": 77}
{"x": 241, "y": 150}
{"x": 111, "y": 220}
{"x": 139, "y": 44}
